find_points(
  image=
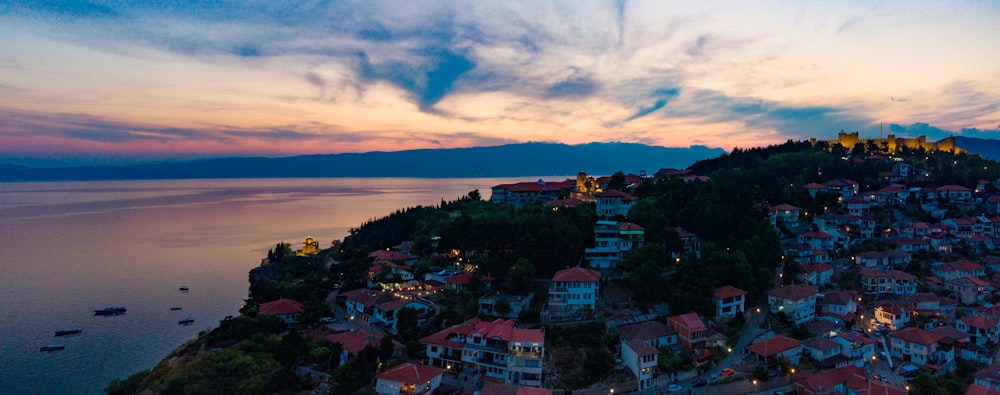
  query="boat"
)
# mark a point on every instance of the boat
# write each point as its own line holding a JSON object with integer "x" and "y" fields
{"x": 184, "y": 288}
{"x": 53, "y": 347}
{"x": 186, "y": 321}
{"x": 68, "y": 331}
{"x": 174, "y": 308}
{"x": 110, "y": 310}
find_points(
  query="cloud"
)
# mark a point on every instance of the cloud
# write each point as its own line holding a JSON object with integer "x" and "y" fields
{"x": 572, "y": 87}
{"x": 937, "y": 133}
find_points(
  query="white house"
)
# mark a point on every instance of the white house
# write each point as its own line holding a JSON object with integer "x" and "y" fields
{"x": 612, "y": 202}
{"x": 729, "y": 301}
{"x": 572, "y": 294}
{"x": 496, "y": 349}
{"x": 798, "y": 302}
{"x": 612, "y": 243}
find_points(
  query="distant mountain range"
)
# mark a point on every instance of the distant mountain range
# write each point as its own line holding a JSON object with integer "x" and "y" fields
{"x": 526, "y": 159}
{"x": 988, "y": 148}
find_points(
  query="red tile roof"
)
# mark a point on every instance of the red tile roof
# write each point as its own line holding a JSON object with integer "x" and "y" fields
{"x": 460, "y": 279}
{"x": 491, "y": 388}
{"x": 619, "y": 194}
{"x": 642, "y": 348}
{"x": 388, "y": 255}
{"x": 691, "y": 321}
{"x": 498, "y": 329}
{"x": 355, "y": 341}
{"x": 280, "y": 307}
{"x": 979, "y": 322}
{"x": 915, "y": 335}
{"x": 818, "y": 267}
{"x": 793, "y": 292}
{"x": 976, "y": 389}
{"x": 817, "y": 235}
{"x": 727, "y": 291}
{"x": 407, "y": 373}
{"x": 629, "y": 226}
{"x": 784, "y": 207}
{"x": 645, "y": 331}
{"x": 952, "y": 188}
{"x": 577, "y": 275}
{"x": 773, "y": 346}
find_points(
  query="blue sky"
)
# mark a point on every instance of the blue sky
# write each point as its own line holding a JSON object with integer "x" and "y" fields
{"x": 109, "y": 81}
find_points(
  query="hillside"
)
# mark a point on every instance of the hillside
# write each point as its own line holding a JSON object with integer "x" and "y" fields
{"x": 528, "y": 159}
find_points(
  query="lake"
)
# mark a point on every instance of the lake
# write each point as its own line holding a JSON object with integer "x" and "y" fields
{"x": 68, "y": 248}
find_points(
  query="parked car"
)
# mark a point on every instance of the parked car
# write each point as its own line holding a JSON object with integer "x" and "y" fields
{"x": 727, "y": 372}
{"x": 674, "y": 388}
{"x": 700, "y": 383}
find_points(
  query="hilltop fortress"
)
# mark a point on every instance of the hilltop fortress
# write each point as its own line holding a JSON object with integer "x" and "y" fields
{"x": 893, "y": 143}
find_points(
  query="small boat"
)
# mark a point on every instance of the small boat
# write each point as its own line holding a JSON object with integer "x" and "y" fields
{"x": 110, "y": 310}
{"x": 184, "y": 288}
{"x": 53, "y": 347}
{"x": 174, "y": 308}
{"x": 186, "y": 321}
{"x": 68, "y": 331}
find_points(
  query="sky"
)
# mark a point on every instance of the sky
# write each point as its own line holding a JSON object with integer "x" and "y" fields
{"x": 114, "y": 81}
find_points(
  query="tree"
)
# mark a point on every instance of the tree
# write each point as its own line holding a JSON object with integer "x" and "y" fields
{"x": 502, "y": 307}
{"x": 617, "y": 181}
{"x": 520, "y": 276}
{"x": 406, "y": 323}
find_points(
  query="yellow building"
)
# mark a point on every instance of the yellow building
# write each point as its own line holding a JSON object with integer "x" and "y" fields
{"x": 309, "y": 247}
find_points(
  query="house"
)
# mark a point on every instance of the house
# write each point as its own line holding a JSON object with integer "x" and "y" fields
{"x": 969, "y": 290}
{"x": 408, "y": 379}
{"x": 930, "y": 308}
{"x": 818, "y": 275}
{"x": 729, "y": 301}
{"x": 845, "y": 187}
{"x": 572, "y": 294}
{"x": 957, "y": 269}
{"x": 381, "y": 308}
{"x": 981, "y": 329}
{"x": 825, "y": 351}
{"x": 856, "y": 206}
{"x": 817, "y": 240}
{"x": 691, "y": 244}
{"x": 771, "y": 350}
{"x": 849, "y": 379}
{"x": 892, "y": 315}
{"x": 353, "y": 341}
{"x": 954, "y": 193}
{"x": 839, "y": 306}
{"x": 920, "y": 347}
{"x": 890, "y": 259}
{"x": 987, "y": 378}
{"x": 784, "y": 214}
{"x": 797, "y": 302}
{"x": 642, "y": 359}
{"x": 857, "y": 348}
{"x": 496, "y": 349}
{"x": 488, "y": 304}
{"x": 892, "y": 195}
{"x": 655, "y": 333}
{"x": 691, "y": 331}
{"x": 612, "y": 203}
{"x": 612, "y": 243}
{"x": 288, "y": 310}
{"x": 519, "y": 194}
{"x": 911, "y": 244}
{"x": 881, "y": 283}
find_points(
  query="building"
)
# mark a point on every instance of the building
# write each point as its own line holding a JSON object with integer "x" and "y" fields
{"x": 892, "y": 315}
{"x": 825, "y": 351}
{"x": 288, "y": 310}
{"x": 857, "y": 348}
{"x": 519, "y": 194}
{"x": 381, "y": 308}
{"x": 310, "y": 247}
{"x": 612, "y": 203}
{"x": 655, "y": 333}
{"x": 691, "y": 331}
{"x": 920, "y": 347}
{"x": 797, "y": 302}
{"x": 496, "y": 349}
{"x": 771, "y": 350}
{"x": 817, "y": 275}
{"x": 408, "y": 379}
{"x": 883, "y": 283}
{"x": 488, "y": 304}
{"x": 839, "y": 306}
{"x": 490, "y": 388}
{"x": 957, "y": 269}
{"x": 849, "y": 379}
{"x": 980, "y": 329}
{"x": 729, "y": 301}
{"x": 817, "y": 240}
{"x": 612, "y": 243}
{"x": 353, "y": 341}
{"x": 784, "y": 214}
{"x": 573, "y": 294}
{"x": 642, "y": 359}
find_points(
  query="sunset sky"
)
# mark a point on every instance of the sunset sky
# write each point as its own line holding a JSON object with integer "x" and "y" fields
{"x": 114, "y": 81}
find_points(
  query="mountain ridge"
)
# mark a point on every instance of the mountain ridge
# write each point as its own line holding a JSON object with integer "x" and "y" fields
{"x": 511, "y": 160}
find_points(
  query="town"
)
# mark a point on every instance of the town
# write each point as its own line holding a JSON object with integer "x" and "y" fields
{"x": 850, "y": 266}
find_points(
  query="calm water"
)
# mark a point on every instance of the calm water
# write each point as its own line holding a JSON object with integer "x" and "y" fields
{"x": 67, "y": 248}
